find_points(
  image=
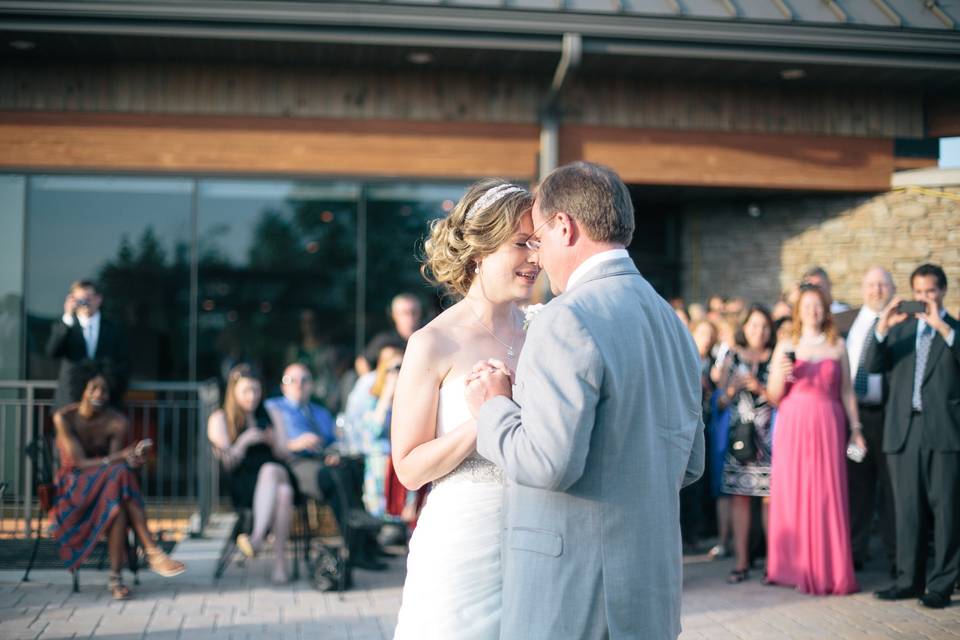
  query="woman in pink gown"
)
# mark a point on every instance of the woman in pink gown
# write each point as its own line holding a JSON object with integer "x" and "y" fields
{"x": 809, "y": 531}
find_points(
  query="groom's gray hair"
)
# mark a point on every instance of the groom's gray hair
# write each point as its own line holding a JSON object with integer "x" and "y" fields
{"x": 594, "y": 196}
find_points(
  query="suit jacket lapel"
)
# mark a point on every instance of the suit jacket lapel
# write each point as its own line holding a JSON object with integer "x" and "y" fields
{"x": 937, "y": 347}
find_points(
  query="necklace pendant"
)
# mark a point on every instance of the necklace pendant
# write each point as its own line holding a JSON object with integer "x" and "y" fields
{"x": 510, "y": 353}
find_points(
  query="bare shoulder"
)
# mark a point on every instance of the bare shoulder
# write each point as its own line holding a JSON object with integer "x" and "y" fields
{"x": 117, "y": 422}
{"x": 216, "y": 418}
{"x": 64, "y": 417}
{"x": 841, "y": 346}
{"x": 439, "y": 338}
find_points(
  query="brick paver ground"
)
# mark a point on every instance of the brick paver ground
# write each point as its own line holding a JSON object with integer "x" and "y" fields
{"x": 244, "y": 605}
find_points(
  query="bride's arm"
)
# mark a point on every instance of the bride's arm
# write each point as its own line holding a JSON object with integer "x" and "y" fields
{"x": 418, "y": 455}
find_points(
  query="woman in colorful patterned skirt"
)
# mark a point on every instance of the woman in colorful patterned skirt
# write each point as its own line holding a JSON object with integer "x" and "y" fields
{"x": 97, "y": 492}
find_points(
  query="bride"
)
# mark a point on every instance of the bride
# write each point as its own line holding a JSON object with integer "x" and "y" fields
{"x": 479, "y": 253}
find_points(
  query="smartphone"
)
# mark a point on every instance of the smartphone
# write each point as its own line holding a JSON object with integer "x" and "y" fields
{"x": 912, "y": 307}
{"x": 791, "y": 356}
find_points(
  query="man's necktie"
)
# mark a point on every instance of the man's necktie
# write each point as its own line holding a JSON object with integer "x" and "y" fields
{"x": 923, "y": 353}
{"x": 88, "y": 338}
{"x": 860, "y": 380}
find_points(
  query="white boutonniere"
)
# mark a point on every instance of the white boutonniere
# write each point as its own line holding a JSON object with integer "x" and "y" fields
{"x": 529, "y": 313}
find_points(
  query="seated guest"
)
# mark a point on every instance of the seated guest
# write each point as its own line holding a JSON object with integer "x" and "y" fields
{"x": 97, "y": 489}
{"x": 305, "y": 429}
{"x": 245, "y": 443}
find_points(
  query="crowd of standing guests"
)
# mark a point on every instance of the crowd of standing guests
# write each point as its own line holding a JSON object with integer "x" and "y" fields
{"x": 825, "y": 421}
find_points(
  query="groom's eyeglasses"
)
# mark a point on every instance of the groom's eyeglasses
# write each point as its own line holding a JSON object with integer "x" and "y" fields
{"x": 533, "y": 243}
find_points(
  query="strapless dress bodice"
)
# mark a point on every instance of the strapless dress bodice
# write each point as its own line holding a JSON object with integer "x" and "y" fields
{"x": 453, "y": 411}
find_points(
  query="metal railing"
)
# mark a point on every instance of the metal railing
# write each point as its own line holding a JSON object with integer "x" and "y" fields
{"x": 180, "y": 479}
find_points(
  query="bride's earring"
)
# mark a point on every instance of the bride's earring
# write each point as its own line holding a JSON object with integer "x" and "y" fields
{"x": 476, "y": 269}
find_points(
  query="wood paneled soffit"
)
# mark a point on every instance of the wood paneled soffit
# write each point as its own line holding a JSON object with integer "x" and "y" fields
{"x": 402, "y": 149}
{"x": 193, "y": 144}
{"x": 265, "y": 91}
{"x": 734, "y": 160}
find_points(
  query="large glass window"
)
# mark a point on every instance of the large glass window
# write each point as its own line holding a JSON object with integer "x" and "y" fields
{"x": 208, "y": 273}
{"x": 398, "y": 219}
{"x": 12, "y": 191}
{"x": 133, "y": 237}
{"x": 278, "y": 277}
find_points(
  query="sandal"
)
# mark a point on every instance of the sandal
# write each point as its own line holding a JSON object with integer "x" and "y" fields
{"x": 245, "y": 546}
{"x": 162, "y": 564}
{"x": 118, "y": 590}
{"x": 737, "y": 576}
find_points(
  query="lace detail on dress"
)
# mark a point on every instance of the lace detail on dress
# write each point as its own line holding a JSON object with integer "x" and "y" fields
{"x": 473, "y": 469}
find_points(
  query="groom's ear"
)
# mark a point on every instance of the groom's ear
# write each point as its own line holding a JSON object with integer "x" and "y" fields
{"x": 569, "y": 230}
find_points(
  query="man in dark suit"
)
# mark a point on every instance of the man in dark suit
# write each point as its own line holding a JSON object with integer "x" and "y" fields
{"x": 921, "y": 355}
{"x": 82, "y": 334}
{"x": 868, "y": 480}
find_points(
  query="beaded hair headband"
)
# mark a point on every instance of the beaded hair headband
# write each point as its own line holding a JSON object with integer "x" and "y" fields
{"x": 491, "y": 197}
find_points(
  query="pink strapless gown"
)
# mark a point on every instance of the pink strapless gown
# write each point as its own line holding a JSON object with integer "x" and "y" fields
{"x": 809, "y": 533}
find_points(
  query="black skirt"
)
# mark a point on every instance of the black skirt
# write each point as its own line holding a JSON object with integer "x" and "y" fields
{"x": 242, "y": 481}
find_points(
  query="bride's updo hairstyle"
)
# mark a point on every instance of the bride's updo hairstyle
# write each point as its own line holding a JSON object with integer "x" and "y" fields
{"x": 486, "y": 216}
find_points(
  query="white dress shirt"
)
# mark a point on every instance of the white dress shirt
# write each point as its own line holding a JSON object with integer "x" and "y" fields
{"x": 592, "y": 261}
{"x": 90, "y": 326}
{"x": 855, "y": 339}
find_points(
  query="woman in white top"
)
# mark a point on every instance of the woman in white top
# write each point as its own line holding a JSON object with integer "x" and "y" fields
{"x": 479, "y": 253}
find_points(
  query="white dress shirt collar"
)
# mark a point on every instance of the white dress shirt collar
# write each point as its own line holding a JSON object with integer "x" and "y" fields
{"x": 591, "y": 262}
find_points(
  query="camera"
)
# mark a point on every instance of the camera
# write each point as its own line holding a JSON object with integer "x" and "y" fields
{"x": 83, "y": 302}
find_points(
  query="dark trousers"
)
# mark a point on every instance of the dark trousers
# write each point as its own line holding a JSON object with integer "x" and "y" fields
{"x": 926, "y": 484}
{"x": 340, "y": 486}
{"x": 870, "y": 491}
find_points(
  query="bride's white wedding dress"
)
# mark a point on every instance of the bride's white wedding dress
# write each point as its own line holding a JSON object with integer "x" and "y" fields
{"x": 453, "y": 585}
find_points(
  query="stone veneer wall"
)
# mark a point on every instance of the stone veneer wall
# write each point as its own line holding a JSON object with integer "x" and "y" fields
{"x": 726, "y": 251}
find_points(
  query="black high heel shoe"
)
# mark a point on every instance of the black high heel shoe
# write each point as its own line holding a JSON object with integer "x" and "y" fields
{"x": 737, "y": 576}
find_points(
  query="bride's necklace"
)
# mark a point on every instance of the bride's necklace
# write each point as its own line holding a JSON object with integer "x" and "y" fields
{"x": 813, "y": 342}
{"x": 509, "y": 347}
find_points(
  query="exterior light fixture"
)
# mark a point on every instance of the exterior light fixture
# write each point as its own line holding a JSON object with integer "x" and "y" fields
{"x": 793, "y": 74}
{"x": 420, "y": 57}
{"x": 23, "y": 45}
{"x": 754, "y": 210}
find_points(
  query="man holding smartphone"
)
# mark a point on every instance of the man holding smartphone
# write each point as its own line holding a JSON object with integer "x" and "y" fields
{"x": 82, "y": 334}
{"x": 917, "y": 346}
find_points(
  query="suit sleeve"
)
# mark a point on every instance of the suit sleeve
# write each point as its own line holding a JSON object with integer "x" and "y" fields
{"x": 695, "y": 464}
{"x": 57, "y": 343}
{"x": 955, "y": 347}
{"x": 545, "y": 443}
{"x": 878, "y": 356}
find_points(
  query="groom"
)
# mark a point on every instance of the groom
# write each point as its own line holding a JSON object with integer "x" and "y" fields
{"x": 604, "y": 431}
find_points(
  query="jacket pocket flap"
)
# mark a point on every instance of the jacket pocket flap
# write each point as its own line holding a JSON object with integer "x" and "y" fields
{"x": 537, "y": 540}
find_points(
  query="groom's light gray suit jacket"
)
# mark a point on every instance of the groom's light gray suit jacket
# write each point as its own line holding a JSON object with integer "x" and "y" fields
{"x": 604, "y": 431}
